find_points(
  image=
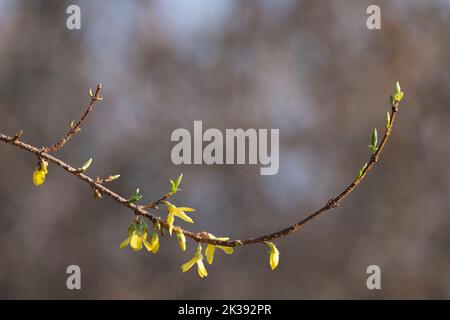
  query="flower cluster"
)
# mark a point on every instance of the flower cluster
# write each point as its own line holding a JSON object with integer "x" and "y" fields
{"x": 138, "y": 233}
{"x": 137, "y": 238}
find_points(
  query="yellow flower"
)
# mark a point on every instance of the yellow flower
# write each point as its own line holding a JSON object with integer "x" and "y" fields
{"x": 180, "y": 212}
{"x": 40, "y": 172}
{"x": 181, "y": 240}
{"x": 154, "y": 242}
{"x": 137, "y": 237}
{"x": 197, "y": 259}
{"x": 210, "y": 249}
{"x": 274, "y": 256}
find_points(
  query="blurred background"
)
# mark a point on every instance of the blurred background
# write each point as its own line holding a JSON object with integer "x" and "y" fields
{"x": 312, "y": 69}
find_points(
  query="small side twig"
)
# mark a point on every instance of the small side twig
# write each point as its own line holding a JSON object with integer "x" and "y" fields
{"x": 155, "y": 204}
{"x": 18, "y": 135}
{"x": 76, "y": 127}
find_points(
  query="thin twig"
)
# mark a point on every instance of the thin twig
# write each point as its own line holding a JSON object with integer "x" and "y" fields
{"x": 75, "y": 128}
{"x": 154, "y": 205}
{"x": 202, "y": 237}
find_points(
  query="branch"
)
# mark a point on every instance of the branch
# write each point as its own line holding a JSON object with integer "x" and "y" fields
{"x": 200, "y": 237}
{"x": 76, "y": 127}
{"x": 336, "y": 201}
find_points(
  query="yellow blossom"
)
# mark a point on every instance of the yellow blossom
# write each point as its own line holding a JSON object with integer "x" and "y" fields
{"x": 137, "y": 237}
{"x": 180, "y": 212}
{"x": 154, "y": 242}
{"x": 274, "y": 256}
{"x": 181, "y": 240}
{"x": 197, "y": 259}
{"x": 40, "y": 172}
{"x": 210, "y": 249}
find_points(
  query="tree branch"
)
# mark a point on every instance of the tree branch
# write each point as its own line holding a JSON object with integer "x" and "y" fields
{"x": 201, "y": 237}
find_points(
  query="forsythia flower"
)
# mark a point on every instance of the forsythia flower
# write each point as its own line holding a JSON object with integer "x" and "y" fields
{"x": 197, "y": 259}
{"x": 211, "y": 248}
{"x": 181, "y": 240}
{"x": 154, "y": 242}
{"x": 40, "y": 172}
{"x": 180, "y": 212}
{"x": 137, "y": 237}
{"x": 274, "y": 257}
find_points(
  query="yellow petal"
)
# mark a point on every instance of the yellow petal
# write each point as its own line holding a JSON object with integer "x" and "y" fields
{"x": 136, "y": 241}
{"x": 201, "y": 269}
{"x": 274, "y": 259}
{"x": 210, "y": 253}
{"x": 38, "y": 177}
{"x": 181, "y": 240}
{"x": 186, "y": 209}
{"x": 125, "y": 243}
{"x": 147, "y": 245}
{"x": 227, "y": 250}
{"x": 170, "y": 219}
{"x": 180, "y": 214}
{"x": 185, "y": 267}
{"x": 155, "y": 242}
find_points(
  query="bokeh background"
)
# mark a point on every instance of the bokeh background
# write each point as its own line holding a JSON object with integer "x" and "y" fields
{"x": 310, "y": 68}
